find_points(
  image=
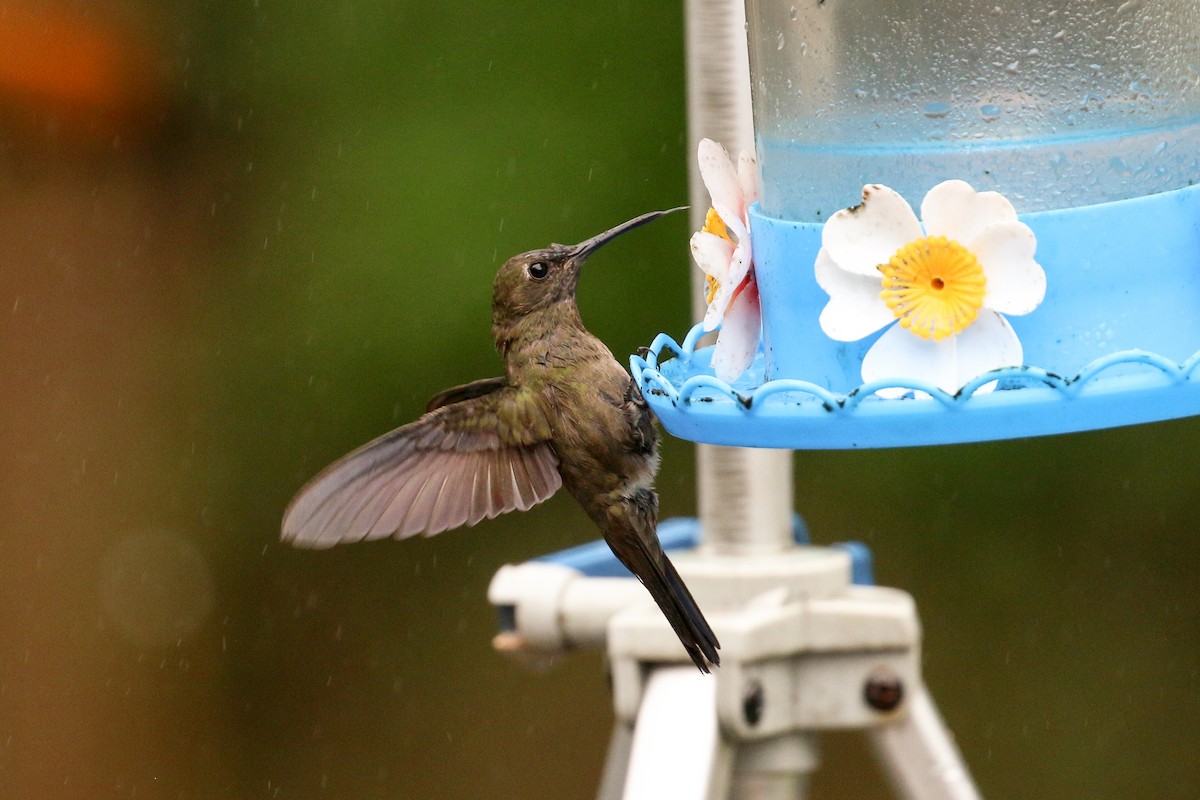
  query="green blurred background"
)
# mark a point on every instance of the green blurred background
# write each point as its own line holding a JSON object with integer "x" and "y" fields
{"x": 238, "y": 239}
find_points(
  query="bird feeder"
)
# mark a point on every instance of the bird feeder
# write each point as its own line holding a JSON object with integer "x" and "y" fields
{"x": 1083, "y": 115}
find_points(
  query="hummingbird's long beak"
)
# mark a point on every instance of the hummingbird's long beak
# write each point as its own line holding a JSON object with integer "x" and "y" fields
{"x": 589, "y": 246}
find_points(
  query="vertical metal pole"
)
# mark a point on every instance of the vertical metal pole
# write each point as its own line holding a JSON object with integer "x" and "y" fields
{"x": 745, "y": 499}
{"x": 775, "y": 769}
{"x": 745, "y": 494}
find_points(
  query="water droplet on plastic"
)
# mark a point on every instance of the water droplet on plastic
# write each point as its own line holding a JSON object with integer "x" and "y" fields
{"x": 989, "y": 112}
{"x": 779, "y": 41}
{"x": 936, "y": 109}
{"x": 794, "y": 13}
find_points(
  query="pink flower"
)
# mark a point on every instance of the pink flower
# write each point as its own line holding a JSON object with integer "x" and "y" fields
{"x": 722, "y": 249}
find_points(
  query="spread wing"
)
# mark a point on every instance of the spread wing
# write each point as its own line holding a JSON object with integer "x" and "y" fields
{"x": 482, "y": 450}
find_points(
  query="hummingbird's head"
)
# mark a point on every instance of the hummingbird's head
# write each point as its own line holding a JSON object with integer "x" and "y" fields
{"x": 543, "y": 278}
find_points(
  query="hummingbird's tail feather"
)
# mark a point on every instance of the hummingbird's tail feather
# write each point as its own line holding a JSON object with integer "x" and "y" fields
{"x": 686, "y": 618}
{"x": 650, "y": 564}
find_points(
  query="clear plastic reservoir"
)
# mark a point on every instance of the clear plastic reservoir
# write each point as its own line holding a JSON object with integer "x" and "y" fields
{"x": 1056, "y": 103}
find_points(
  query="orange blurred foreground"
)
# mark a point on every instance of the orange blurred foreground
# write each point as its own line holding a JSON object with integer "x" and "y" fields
{"x": 74, "y": 73}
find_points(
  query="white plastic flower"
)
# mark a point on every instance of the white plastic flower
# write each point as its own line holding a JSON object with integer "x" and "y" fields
{"x": 947, "y": 285}
{"x": 722, "y": 249}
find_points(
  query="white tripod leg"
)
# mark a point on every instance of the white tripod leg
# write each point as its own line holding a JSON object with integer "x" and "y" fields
{"x": 616, "y": 763}
{"x": 919, "y": 756}
{"x": 676, "y": 749}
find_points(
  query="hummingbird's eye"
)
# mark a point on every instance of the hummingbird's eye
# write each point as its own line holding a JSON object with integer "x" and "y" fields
{"x": 538, "y": 270}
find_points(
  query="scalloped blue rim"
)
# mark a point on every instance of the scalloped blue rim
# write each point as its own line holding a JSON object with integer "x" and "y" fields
{"x": 1128, "y": 387}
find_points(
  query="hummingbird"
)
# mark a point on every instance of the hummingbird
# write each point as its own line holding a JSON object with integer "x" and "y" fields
{"x": 565, "y": 414}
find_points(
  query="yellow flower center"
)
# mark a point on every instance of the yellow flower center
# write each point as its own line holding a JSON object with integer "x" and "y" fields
{"x": 934, "y": 286}
{"x": 715, "y": 225}
{"x": 713, "y": 286}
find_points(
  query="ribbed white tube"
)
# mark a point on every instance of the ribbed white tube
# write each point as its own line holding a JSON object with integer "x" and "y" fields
{"x": 745, "y": 495}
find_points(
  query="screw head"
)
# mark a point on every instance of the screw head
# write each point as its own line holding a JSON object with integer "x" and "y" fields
{"x": 752, "y": 703}
{"x": 883, "y": 691}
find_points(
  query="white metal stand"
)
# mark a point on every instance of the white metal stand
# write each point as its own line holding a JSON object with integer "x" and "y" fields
{"x": 803, "y": 650}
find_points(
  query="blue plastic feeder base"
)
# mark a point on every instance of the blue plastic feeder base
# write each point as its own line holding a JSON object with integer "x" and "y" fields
{"x": 1114, "y": 343}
